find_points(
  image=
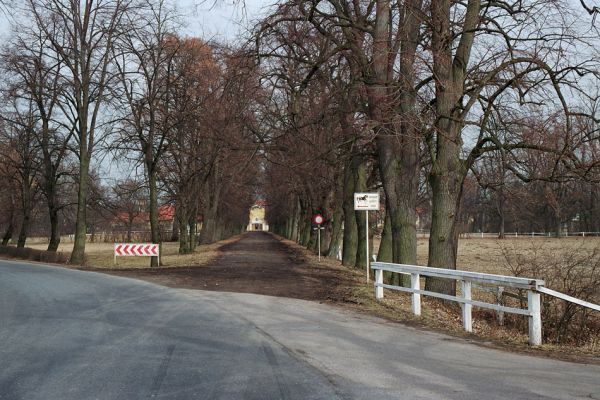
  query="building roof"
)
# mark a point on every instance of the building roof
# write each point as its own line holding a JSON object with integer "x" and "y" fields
{"x": 261, "y": 203}
{"x": 166, "y": 213}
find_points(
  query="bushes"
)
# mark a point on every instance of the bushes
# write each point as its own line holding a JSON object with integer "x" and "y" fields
{"x": 573, "y": 270}
{"x": 26, "y": 253}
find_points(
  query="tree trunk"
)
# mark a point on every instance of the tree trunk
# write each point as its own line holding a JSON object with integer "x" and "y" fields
{"x": 183, "y": 230}
{"x": 336, "y": 232}
{"x": 399, "y": 169}
{"x": 501, "y": 214}
{"x": 175, "y": 232}
{"x": 397, "y": 138}
{"x": 385, "y": 251}
{"x": 53, "y": 209}
{"x": 129, "y": 229}
{"x": 9, "y": 232}
{"x": 360, "y": 185}
{"x": 385, "y": 246}
{"x": 350, "y": 239}
{"x": 153, "y": 210}
{"x": 78, "y": 253}
{"x": 26, "y": 212}
{"x": 192, "y": 228}
{"x": 295, "y": 226}
{"x": 446, "y": 181}
{"x": 54, "y": 228}
{"x": 448, "y": 171}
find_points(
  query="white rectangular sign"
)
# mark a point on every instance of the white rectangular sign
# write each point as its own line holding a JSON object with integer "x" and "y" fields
{"x": 136, "y": 249}
{"x": 366, "y": 201}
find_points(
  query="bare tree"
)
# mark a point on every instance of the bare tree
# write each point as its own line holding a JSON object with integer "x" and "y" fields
{"x": 145, "y": 69}
{"x": 80, "y": 36}
{"x": 36, "y": 77}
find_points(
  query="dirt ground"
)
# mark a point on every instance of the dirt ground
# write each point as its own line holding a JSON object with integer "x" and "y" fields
{"x": 256, "y": 262}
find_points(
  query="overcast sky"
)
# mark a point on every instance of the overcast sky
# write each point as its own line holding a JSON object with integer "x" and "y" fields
{"x": 209, "y": 19}
{"x": 221, "y": 21}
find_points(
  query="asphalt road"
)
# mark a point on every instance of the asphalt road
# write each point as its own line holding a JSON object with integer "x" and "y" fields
{"x": 68, "y": 334}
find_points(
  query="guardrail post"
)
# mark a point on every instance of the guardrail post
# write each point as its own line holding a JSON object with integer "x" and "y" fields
{"x": 415, "y": 284}
{"x": 535, "y": 318}
{"x": 500, "y": 301}
{"x": 378, "y": 281}
{"x": 467, "y": 308}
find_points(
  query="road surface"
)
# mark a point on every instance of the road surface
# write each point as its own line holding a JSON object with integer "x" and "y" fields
{"x": 67, "y": 334}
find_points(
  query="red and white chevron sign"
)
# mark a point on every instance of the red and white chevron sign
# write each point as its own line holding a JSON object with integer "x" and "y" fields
{"x": 136, "y": 249}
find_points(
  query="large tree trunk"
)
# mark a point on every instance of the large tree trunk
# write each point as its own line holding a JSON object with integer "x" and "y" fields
{"x": 54, "y": 228}
{"x": 23, "y": 231}
{"x": 296, "y": 222}
{"x": 501, "y": 213}
{"x": 336, "y": 232}
{"x": 78, "y": 253}
{"x": 9, "y": 232}
{"x": 399, "y": 168}
{"x": 446, "y": 182}
{"x": 153, "y": 210}
{"x": 25, "y": 210}
{"x": 183, "y": 230}
{"x": 395, "y": 126}
{"x": 448, "y": 171}
{"x": 192, "y": 228}
{"x": 350, "y": 239}
{"x": 53, "y": 209}
{"x": 360, "y": 185}
{"x": 384, "y": 253}
{"x": 209, "y": 226}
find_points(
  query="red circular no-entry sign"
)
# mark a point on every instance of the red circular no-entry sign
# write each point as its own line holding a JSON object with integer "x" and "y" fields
{"x": 318, "y": 219}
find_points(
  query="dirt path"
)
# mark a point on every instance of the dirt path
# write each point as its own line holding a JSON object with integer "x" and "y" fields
{"x": 257, "y": 263}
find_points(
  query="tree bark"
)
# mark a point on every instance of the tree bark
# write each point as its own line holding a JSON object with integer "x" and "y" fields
{"x": 25, "y": 210}
{"x": 183, "y": 230}
{"x": 360, "y": 185}
{"x": 78, "y": 253}
{"x": 336, "y": 232}
{"x": 350, "y": 239}
{"x": 448, "y": 171}
{"x": 54, "y": 228}
{"x": 153, "y": 210}
{"x": 8, "y": 233}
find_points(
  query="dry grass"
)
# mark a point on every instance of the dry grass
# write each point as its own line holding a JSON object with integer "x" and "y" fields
{"x": 485, "y": 255}
{"x": 475, "y": 254}
{"x": 100, "y": 255}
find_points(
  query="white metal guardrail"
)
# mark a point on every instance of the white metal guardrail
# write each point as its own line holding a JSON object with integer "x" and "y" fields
{"x": 466, "y": 279}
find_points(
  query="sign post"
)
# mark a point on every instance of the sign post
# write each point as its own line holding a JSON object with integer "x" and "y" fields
{"x": 318, "y": 220}
{"x": 366, "y": 202}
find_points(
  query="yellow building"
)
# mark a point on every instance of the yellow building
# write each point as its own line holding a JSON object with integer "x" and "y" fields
{"x": 257, "y": 217}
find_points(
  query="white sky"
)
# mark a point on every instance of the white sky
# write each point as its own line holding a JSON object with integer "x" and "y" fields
{"x": 220, "y": 20}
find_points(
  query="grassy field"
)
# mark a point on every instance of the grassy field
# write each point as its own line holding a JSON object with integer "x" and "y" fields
{"x": 488, "y": 254}
{"x": 100, "y": 255}
{"x": 474, "y": 254}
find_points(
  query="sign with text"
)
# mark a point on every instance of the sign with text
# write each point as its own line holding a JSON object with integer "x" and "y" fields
{"x": 366, "y": 201}
{"x": 136, "y": 249}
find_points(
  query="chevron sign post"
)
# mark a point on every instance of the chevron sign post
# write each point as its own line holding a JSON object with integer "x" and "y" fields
{"x": 136, "y": 250}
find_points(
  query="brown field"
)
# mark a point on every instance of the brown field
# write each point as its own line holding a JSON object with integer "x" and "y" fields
{"x": 486, "y": 255}
{"x": 474, "y": 254}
